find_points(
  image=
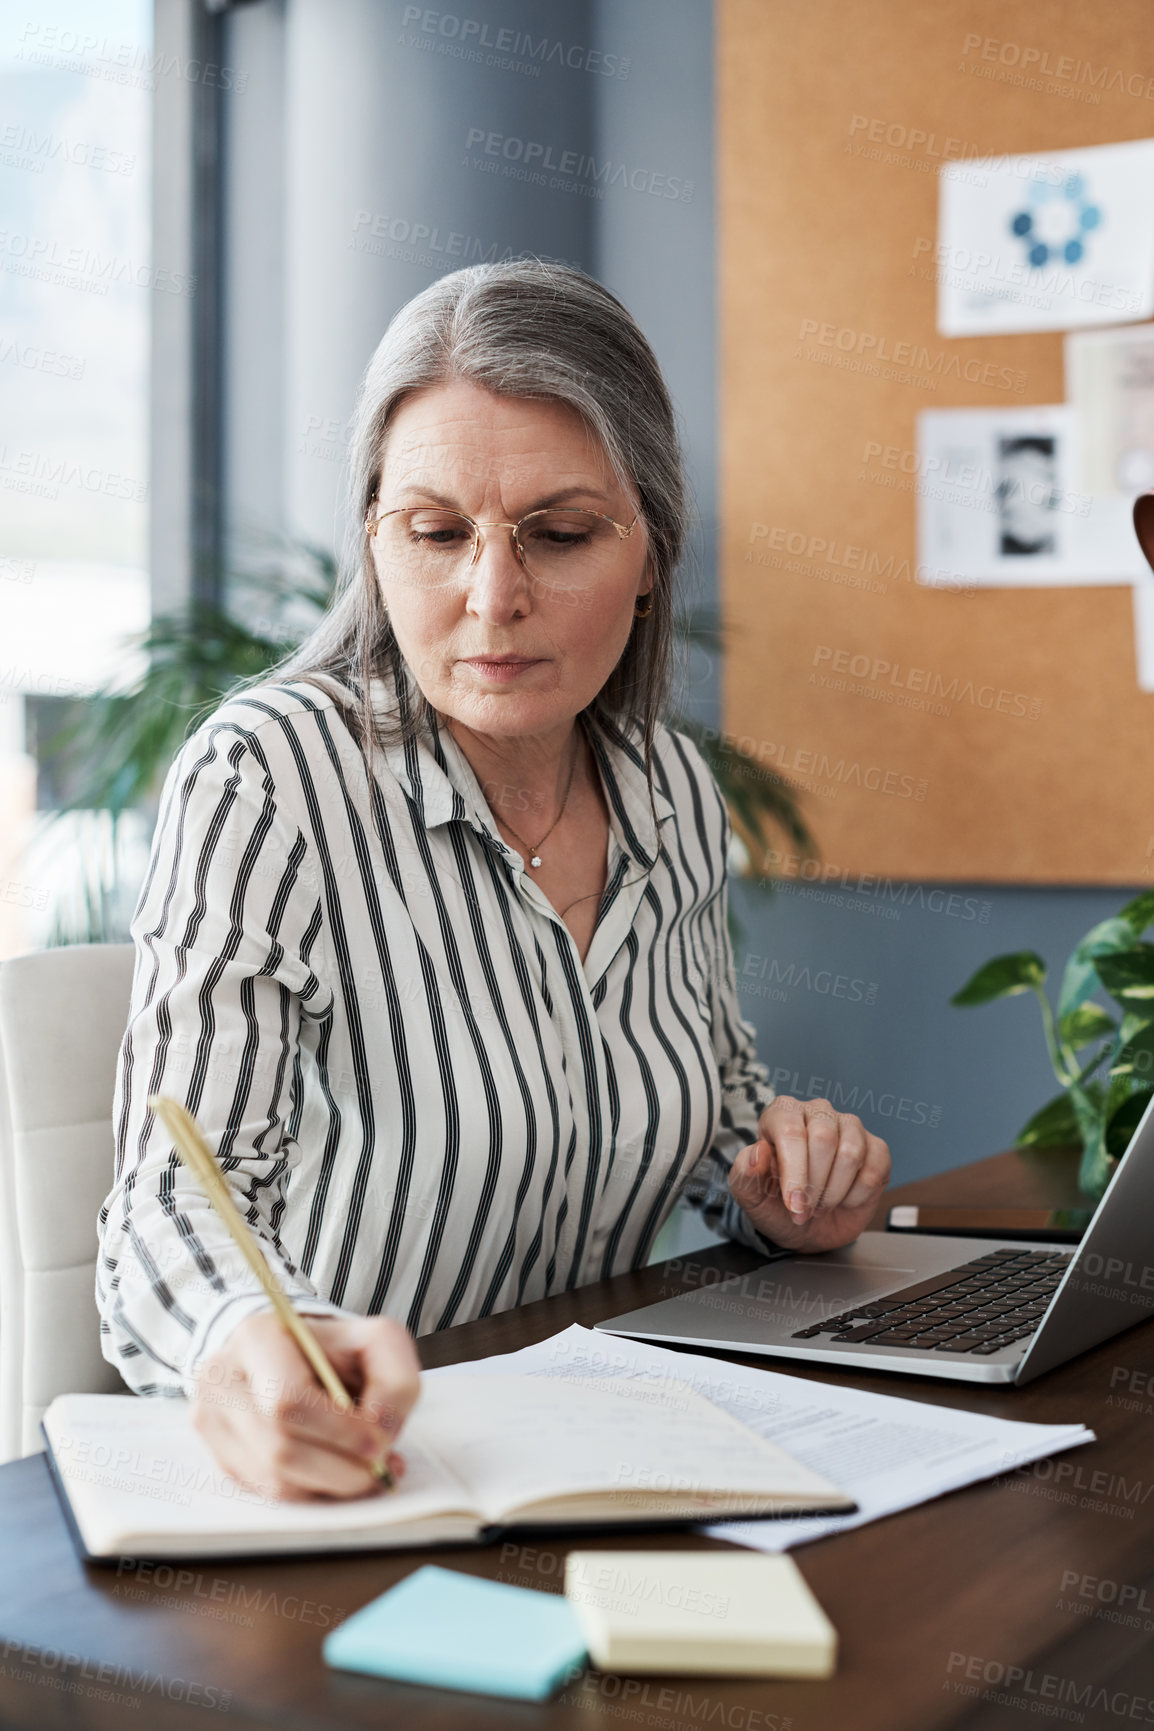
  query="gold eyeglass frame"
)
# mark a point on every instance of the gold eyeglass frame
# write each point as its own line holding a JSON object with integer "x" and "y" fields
{"x": 624, "y": 531}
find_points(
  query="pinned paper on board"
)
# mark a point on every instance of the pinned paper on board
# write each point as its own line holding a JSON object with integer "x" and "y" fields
{"x": 1000, "y": 503}
{"x": 1110, "y": 388}
{"x": 1110, "y": 385}
{"x": 1045, "y": 243}
{"x": 1144, "y": 630}
{"x": 1004, "y": 502}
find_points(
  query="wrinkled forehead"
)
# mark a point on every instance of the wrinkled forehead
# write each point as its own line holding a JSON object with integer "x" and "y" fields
{"x": 525, "y": 444}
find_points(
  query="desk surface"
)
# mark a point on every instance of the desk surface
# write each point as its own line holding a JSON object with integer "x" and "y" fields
{"x": 933, "y": 1606}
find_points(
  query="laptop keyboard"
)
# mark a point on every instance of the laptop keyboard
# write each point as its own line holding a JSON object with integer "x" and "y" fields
{"x": 977, "y": 1308}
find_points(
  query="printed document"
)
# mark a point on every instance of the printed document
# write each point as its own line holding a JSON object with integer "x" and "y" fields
{"x": 886, "y": 1452}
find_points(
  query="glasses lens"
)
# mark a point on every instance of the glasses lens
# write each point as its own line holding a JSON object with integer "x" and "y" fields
{"x": 426, "y": 546}
{"x": 563, "y": 550}
{"x": 570, "y": 550}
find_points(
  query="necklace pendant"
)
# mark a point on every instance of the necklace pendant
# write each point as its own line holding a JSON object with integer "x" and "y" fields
{"x": 535, "y": 859}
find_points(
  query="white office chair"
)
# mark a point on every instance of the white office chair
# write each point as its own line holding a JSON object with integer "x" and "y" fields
{"x": 62, "y": 1017}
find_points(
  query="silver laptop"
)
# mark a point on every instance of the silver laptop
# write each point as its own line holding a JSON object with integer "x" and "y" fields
{"x": 970, "y": 1309}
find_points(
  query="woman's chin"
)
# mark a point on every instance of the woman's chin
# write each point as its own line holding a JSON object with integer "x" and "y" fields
{"x": 506, "y": 714}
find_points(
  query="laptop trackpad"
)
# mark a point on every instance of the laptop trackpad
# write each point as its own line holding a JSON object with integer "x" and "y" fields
{"x": 814, "y": 1289}
{"x": 767, "y": 1305}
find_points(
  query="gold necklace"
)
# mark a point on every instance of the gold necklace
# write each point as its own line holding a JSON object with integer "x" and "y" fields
{"x": 535, "y": 852}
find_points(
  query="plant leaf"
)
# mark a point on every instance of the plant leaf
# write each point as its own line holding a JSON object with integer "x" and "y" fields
{"x": 1087, "y": 1100}
{"x": 1128, "y": 975}
{"x": 1054, "y": 1126}
{"x": 1122, "y": 1125}
{"x": 1088, "y": 1022}
{"x": 1135, "y": 1053}
{"x": 756, "y": 794}
{"x": 1080, "y": 980}
{"x": 1003, "y": 978}
{"x": 1139, "y": 913}
{"x": 1091, "y": 1064}
{"x": 124, "y": 740}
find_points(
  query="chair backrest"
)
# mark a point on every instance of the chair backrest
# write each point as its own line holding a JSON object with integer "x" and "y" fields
{"x": 63, "y": 1014}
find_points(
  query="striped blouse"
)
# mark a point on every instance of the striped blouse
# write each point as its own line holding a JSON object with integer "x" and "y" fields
{"x": 426, "y": 1105}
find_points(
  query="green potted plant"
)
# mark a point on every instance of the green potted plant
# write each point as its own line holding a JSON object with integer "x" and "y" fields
{"x": 117, "y": 745}
{"x": 1104, "y": 1061}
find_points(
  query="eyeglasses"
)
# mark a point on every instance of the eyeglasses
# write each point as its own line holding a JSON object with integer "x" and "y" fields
{"x": 568, "y": 551}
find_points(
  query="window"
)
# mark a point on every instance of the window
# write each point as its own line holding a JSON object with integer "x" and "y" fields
{"x": 75, "y": 290}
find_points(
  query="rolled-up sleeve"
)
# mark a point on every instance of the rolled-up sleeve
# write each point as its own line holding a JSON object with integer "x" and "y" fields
{"x": 744, "y": 1079}
{"x": 226, "y": 929}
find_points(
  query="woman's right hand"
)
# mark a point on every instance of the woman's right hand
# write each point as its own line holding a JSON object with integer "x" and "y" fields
{"x": 270, "y": 1424}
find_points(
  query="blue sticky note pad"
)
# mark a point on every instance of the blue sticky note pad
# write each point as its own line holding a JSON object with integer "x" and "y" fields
{"x": 459, "y": 1632}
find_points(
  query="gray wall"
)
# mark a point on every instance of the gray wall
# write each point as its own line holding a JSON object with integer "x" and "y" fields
{"x": 848, "y": 987}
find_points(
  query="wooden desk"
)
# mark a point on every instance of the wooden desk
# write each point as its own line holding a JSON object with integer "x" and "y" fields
{"x": 990, "y": 1577}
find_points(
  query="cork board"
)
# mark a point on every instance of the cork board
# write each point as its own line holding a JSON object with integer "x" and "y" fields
{"x": 1037, "y": 766}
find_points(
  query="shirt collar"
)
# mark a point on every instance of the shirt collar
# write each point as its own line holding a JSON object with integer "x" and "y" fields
{"x": 437, "y": 778}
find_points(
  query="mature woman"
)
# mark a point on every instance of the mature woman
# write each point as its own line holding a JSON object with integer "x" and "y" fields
{"x": 433, "y": 937}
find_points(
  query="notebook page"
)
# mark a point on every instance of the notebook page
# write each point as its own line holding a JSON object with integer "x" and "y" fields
{"x": 518, "y": 1440}
{"x": 135, "y": 1466}
{"x": 889, "y": 1453}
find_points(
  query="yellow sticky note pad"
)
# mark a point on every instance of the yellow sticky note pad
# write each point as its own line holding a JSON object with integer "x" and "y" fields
{"x": 699, "y": 1613}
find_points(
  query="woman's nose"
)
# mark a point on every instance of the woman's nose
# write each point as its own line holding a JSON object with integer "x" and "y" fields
{"x": 499, "y": 585}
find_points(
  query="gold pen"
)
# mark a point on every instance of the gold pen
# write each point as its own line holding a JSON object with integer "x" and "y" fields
{"x": 196, "y": 1154}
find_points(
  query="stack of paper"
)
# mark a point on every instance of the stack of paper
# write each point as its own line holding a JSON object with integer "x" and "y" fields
{"x": 699, "y": 1613}
{"x": 885, "y": 1452}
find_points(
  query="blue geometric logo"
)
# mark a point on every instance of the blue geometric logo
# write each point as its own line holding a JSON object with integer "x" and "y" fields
{"x": 1056, "y": 221}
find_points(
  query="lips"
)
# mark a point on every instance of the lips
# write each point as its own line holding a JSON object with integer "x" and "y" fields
{"x": 504, "y": 667}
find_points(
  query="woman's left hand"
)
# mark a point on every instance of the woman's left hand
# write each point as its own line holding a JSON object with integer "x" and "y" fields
{"x": 813, "y": 1178}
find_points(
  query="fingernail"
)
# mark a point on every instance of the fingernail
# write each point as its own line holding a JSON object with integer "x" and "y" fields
{"x": 797, "y": 1202}
{"x": 388, "y": 1468}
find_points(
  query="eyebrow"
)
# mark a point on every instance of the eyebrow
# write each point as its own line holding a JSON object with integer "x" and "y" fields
{"x": 555, "y": 498}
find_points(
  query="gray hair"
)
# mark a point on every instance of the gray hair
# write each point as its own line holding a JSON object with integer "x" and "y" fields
{"x": 531, "y": 328}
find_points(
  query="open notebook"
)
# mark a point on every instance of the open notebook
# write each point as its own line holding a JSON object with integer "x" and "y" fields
{"x": 483, "y": 1453}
